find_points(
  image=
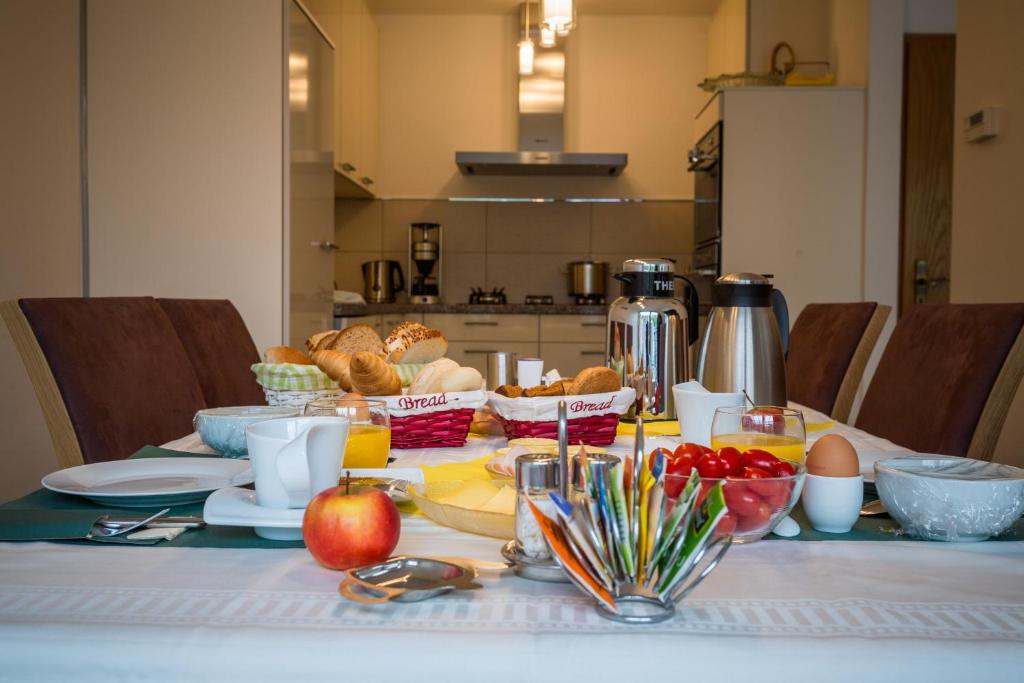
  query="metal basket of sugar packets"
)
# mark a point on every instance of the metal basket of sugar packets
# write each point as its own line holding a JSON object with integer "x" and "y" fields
{"x": 624, "y": 542}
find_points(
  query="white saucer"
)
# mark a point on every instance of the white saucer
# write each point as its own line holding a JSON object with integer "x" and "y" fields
{"x": 235, "y": 506}
{"x": 149, "y": 482}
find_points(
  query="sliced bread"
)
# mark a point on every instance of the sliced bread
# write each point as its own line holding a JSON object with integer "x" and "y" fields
{"x": 412, "y": 342}
{"x": 356, "y": 338}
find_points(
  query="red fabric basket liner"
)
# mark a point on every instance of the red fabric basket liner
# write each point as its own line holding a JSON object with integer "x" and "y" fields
{"x": 595, "y": 430}
{"x": 431, "y": 430}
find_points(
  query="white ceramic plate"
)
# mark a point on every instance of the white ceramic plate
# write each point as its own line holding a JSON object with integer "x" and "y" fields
{"x": 149, "y": 482}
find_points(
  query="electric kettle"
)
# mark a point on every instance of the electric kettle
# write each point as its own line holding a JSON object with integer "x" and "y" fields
{"x": 381, "y": 281}
{"x": 744, "y": 343}
{"x": 649, "y": 334}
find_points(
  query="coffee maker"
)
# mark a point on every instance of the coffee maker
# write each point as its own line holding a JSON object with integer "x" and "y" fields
{"x": 425, "y": 263}
{"x": 650, "y": 332}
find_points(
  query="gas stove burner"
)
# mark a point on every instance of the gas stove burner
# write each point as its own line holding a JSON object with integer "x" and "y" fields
{"x": 539, "y": 300}
{"x": 496, "y": 296}
{"x": 590, "y": 300}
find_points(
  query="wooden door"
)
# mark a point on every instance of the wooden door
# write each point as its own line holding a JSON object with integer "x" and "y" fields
{"x": 929, "y": 63}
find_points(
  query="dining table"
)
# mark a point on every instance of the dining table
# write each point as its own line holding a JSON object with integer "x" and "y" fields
{"x": 813, "y": 607}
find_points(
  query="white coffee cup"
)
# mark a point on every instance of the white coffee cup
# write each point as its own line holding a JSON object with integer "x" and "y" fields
{"x": 695, "y": 408}
{"x": 832, "y": 504}
{"x": 295, "y": 458}
{"x": 529, "y": 371}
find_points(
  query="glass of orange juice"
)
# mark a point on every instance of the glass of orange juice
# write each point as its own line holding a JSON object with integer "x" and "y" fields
{"x": 780, "y": 431}
{"x": 369, "y": 434}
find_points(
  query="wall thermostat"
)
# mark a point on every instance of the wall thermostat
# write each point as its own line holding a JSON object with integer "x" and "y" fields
{"x": 982, "y": 125}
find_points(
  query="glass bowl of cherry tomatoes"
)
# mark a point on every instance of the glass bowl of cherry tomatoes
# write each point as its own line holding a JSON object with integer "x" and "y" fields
{"x": 759, "y": 488}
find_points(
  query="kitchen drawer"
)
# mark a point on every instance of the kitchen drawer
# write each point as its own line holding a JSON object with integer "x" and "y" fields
{"x": 580, "y": 329}
{"x": 474, "y": 354}
{"x": 484, "y": 326}
{"x": 569, "y": 359}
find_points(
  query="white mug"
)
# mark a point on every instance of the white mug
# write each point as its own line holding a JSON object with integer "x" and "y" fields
{"x": 529, "y": 371}
{"x": 695, "y": 408}
{"x": 832, "y": 504}
{"x": 295, "y": 458}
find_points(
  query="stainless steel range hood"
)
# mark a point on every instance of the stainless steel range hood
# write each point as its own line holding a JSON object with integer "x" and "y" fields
{"x": 541, "y": 99}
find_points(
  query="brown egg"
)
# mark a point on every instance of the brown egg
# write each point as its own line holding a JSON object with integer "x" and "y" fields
{"x": 833, "y": 456}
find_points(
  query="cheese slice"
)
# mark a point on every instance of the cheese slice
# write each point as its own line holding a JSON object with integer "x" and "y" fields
{"x": 504, "y": 502}
{"x": 472, "y": 495}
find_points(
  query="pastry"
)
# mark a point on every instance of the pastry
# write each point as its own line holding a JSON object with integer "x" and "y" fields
{"x": 372, "y": 376}
{"x": 335, "y": 365}
{"x": 429, "y": 377}
{"x": 509, "y": 390}
{"x": 412, "y": 342}
{"x": 597, "y": 380}
{"x": 461, "y": 379}
{"x": 313, "y": 343}
{"x": 563, "y": 387}
{"x": 286, "y": 354}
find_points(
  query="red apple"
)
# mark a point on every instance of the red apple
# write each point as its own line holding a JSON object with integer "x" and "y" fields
{"x": 345, "y": 529}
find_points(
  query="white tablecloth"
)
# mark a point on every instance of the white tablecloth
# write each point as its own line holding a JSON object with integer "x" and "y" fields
{"x": 774, "y": 610}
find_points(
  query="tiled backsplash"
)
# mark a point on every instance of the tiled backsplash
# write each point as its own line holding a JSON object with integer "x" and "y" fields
{"x": 521, "y": 246}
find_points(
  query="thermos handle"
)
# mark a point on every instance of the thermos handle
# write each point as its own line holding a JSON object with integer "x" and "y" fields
{"x": 781, "y": 310}
{"x": 625, "y": 278}
{"x": 395, "y": 268}
{"x": 692, "y": 302}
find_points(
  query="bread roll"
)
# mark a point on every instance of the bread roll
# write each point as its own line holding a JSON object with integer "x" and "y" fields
{"x": 598, "y": 380}
{"x": 286, "y": 354}
{"x": 461, "y": 379}
{"x": 412, "y": 342}
{"x": 563, "y": 387}
{"x": 372, "y": 376}
{"x": 335, "y": 365}
{"x": 355, "y": 338}
{"x": 509, "y": 390}
{"x": 428, "y": 377}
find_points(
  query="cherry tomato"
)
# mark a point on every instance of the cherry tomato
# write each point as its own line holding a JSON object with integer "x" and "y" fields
{"x": 756, "y": 473}
{"x": 783, "y": 469}
{"x": 695, "y": 451}
{"x": 757, "y": 520}
{"x": 760, "y": 459}
{"x": 726, "y": 525}
{"x": 705, "y": 486}
{"x": 739, "y": 499}
{"x": 665, "y": 453}
{"x": 732, "y": 459}
{"x": 775, "y": 493}
{"x": 674, "y": 484}
{"x": 711, "y": 467}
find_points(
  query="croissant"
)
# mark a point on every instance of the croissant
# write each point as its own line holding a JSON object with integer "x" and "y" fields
{"x": 335, "y": 365}
{"x": 370, "y": 375}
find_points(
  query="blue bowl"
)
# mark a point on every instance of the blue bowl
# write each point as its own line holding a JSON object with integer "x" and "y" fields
{"x": 223, "y": 429}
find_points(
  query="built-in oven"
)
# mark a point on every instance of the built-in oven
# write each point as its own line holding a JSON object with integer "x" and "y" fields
{"x": 706, "y": 166}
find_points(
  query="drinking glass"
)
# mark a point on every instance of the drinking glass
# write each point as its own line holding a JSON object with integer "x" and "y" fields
{"x": 780, "y": 431}
{"x": 369, "y": 435}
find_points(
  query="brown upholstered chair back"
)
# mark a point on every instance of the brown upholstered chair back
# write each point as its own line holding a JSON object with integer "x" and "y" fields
{"x": 822, "y": 345}
{"x": 220, "y": 348}
{"x": 935, "y": 378}
{"x": 122, "y": 372}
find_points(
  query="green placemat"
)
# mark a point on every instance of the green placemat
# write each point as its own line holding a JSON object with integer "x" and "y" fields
{"x": 882, "y": 528}
{"x": 45, "y": 515}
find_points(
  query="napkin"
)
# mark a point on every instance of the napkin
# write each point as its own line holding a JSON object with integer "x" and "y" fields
{"x": 696, "y": 407}
{"x": 61, "y": 525}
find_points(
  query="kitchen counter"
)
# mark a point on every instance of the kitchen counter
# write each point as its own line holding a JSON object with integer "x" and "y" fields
{"x": 352, "y": 310}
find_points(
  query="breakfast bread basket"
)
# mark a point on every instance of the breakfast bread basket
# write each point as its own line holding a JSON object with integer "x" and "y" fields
{"x": 593, "y": 418}
{"x": 293, "y": 384}
{"x": 432, "y": 420}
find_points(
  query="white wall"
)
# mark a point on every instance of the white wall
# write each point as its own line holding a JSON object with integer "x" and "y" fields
{"x": 988, "y": 239}
{"x": 448, "y": 83}
{"x": 804, "y": 24}
{"x": 931, "y": 16}
{"x": 727, "y": 38}
{"x": 185, "y": 160}
{"x": 41, "y": 200}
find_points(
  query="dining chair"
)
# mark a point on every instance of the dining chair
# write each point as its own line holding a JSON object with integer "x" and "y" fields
{"x": 220, "y": 347}
{"x": 829, "y": 347}
{"x": 947, "y": 377}
{"x": 110, "y": 374}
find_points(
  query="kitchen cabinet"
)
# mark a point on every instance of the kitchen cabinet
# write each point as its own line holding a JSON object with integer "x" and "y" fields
{"x": 569, "y": 358}
{"x": 573, "y": 328}
{"x": 495, "y": 328}
{"x": 474, "y": 353}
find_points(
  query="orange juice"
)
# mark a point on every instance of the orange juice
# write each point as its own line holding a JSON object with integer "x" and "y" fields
{"x": 368, "y": 446}
{"x": 783, "y": 447}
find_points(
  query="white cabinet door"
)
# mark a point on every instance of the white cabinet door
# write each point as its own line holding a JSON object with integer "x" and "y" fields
{"x": 569, "y": 358}
{"x": 474, "y": 353}
{"x": 484, "y": 327}
{"x": 579, "y": 329}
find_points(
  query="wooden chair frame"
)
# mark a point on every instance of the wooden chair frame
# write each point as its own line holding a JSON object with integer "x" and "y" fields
{"x": 855, "y": 370}
{"x": 993, "y": 415}
{"x": 58, "y": 422}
